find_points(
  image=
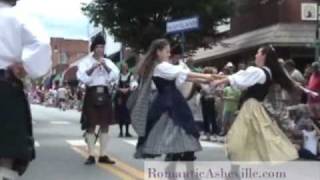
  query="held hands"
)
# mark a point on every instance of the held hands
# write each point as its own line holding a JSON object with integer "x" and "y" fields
{"x": 18, "y": 70}
{"x": 216, "y": 80}
{"x": 214, "y": 83}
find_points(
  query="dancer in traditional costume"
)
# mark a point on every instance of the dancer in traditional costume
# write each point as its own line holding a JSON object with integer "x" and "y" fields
{"x": 170, "y": 127}
{"x": 25, "y": 50}
{"x": 254, "y": 136}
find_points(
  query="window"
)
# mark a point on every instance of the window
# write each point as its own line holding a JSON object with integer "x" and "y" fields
{"x": 63, "y": 58}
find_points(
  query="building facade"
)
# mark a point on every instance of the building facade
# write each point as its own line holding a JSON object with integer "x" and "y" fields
{"x": 65, "y": 52}
{"x": 289, "y": 25}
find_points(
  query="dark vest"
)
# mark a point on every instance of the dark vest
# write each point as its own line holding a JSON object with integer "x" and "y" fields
{"x": 257, "y": 91}
{"x": 125, "y": 84}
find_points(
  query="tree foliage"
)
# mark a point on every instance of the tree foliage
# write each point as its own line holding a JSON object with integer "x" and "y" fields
{"x": 137, "y": 22}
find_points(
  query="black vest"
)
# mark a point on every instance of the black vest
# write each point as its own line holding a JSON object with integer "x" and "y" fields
{"x": 126, "y": 83}
{"x": 257, "y": 91}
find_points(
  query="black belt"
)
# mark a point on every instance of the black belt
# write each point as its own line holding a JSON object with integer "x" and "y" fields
{"x": 94, "y": 88}
{"x": 7, "y": 76}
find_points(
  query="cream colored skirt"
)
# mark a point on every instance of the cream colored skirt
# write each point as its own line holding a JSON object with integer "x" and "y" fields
{"x": 255, "y": 137}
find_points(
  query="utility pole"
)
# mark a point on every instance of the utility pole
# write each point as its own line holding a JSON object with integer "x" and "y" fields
{"x": 317, "y": 41}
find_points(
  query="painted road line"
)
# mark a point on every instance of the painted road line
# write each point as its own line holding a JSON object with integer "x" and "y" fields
{"x": 211, "y": 144}
{"x": 79, "y": 142}
{"x": 133, "y": 142}
{"x": 36, "y": 144}
{"x": 60, "y": 122}
{"x": 203, "y": 143}
{"x": 120, "y": 169}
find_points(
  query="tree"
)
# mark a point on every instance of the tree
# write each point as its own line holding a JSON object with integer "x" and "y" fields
{"x": 137, "y": 23}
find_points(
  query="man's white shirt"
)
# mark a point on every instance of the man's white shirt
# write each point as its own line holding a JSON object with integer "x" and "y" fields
{"x": 23, "y": 41}
{"x": 99, "y": 77}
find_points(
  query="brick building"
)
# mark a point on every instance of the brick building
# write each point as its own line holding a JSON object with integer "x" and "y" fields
{"x": 66, "y": 52}
{"x": 286, "y": 24}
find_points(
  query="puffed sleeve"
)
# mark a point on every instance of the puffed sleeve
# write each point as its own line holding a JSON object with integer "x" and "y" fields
{"x": 246, "y": 78}
{"x": 133, "y": 83}
{"x": 171, "y": 72}
{"x": 36, "y": 49}
{"x": 82, "y": 73}
{"x": 115, "y": 72}
{"x": 182, "y": 77}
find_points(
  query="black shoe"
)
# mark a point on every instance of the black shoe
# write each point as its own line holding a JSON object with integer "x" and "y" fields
{"x": 173, "y": 157}
{"x": 128, "y": 135}
{"x": 188, "y": 156}
{"x": 140, "y": 155}
{"x": 106, "y": 160}
{"x": 150, "y": 156}
{"x": 91, "y": 160}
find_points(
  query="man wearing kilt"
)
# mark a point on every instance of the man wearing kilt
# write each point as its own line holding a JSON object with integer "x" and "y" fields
{"x": 24, "y": 50}
{"x": 98, "y": 74}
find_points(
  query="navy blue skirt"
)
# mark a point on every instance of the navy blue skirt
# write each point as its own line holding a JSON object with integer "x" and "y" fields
{"x": 170, "y": 100}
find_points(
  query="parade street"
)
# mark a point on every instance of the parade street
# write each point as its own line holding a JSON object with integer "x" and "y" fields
{"x": 61, "y": 150}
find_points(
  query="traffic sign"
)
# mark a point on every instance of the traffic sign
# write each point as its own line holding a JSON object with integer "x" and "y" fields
{"x": 183, "y": 25}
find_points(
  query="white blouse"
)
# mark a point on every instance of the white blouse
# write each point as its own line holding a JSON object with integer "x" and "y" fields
{"x": 170, "y": 71}
{"x": 124, "y": 77}
{"x": 249, "y": 77}
{"x": 23, "y": 41}
{"x": 99, "y": 77}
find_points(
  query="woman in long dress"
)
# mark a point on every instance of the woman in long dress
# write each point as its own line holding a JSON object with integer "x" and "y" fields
{"x": 170, "y": 127}
{"x": 254, "y": 136}
{"x": 122, "y": 95}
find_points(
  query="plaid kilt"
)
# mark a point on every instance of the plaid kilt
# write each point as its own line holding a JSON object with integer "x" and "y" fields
{"x": 16, "y": 139}
{"x": 92, "y": 114}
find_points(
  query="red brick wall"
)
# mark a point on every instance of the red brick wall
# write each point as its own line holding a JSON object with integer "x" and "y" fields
{"x": 263, "y": 15}
{"x": 73, "y": 49}
{"x": 290, "y": 11}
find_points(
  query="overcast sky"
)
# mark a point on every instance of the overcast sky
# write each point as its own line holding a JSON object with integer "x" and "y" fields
{"x": 62, "y": 18}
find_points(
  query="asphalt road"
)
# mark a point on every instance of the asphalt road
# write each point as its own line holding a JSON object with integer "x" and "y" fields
{"x": 61, "y": 150}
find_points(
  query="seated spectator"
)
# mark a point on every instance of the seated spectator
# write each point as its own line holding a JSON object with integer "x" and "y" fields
{"x": 310, "y": 141}
{"x": 314, "y": 85}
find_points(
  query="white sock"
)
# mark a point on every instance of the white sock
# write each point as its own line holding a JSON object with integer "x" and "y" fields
{"x": 91, "y": 138}
{"x": 104, "y": 139}
{"x": 8, "y": 173}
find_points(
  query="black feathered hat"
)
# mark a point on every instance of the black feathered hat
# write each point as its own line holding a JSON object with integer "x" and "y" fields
{"x": 97, "y": 40}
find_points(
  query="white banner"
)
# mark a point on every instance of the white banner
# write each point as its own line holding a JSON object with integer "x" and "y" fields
{"x": 294, "y": 170}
